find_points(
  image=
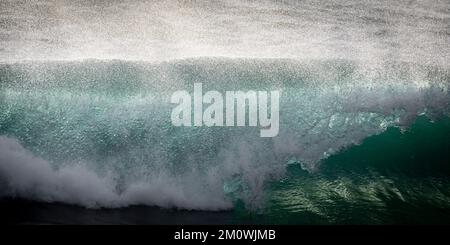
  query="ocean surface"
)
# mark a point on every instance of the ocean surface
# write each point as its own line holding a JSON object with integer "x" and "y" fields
{"x": 86, "y": 135}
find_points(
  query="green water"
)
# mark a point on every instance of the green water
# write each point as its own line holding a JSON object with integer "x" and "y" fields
{"x": 392, "y": 178}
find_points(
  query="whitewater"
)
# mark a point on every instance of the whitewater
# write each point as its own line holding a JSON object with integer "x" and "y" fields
{"x": 85, "y": 94}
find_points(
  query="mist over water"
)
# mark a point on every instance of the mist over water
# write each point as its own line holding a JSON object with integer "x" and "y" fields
{"x": 85, "y": 92}
{"x": 371, "y": 31}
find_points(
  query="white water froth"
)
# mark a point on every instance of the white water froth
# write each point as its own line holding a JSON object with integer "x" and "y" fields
{"x": 26, "y": 176}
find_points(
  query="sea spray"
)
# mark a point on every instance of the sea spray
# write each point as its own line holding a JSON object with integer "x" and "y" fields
{"x": 239, "y": 101}
{"x": 110, "y": 121}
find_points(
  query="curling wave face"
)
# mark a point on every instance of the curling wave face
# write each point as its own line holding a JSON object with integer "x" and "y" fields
{"x": 98, "y": 133}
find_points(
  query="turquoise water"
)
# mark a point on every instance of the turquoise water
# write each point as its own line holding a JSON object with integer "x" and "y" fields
{"x": 357, "y": 144}
{"x": 391, "y": 178}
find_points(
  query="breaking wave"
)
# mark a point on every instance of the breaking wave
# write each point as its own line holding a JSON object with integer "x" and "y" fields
{"x": 98, "y": 133}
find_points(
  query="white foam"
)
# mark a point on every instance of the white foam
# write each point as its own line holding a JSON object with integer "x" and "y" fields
{"x": 26, "y": 176}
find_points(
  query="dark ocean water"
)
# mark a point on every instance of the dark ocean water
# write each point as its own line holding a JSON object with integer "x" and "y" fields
{"x": 391, "y": 178}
